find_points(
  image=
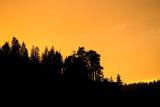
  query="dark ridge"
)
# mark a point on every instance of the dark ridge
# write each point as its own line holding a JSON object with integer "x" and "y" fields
{"x": 75, "y": 81}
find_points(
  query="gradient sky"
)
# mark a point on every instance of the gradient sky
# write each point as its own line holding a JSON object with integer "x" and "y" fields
{"x": 125, "y": 32}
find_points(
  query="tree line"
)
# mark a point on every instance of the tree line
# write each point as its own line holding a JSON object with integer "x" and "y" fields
{"x": 79, "y": 74}
{"x": 82, "y": 65}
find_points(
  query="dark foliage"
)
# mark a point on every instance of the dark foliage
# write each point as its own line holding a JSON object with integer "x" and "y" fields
{"x": 79, "y": 76}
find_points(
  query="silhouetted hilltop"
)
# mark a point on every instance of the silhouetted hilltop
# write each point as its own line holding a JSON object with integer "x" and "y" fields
{"x": 78, "y": 76}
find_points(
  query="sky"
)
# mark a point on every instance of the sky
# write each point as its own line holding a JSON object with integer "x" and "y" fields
{"x": 125, "y": 32}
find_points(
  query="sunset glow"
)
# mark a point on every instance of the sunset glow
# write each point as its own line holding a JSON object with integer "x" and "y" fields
{"x": 125, "y": 32}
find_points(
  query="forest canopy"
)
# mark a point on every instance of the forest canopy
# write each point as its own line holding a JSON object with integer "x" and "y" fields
{"x": 80, "y": 72}
{"x": 81, "y": 65}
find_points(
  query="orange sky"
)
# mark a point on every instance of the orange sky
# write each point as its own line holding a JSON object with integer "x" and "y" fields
{"x": 125, "y": 32}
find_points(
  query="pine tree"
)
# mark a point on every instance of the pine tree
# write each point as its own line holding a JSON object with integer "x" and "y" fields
{"x": 45, "y": 58}
{"x": 119, "y": 81}
{"x": 35, "y": 58}
{"x": 6, "y": 49}
{"x": 24, "y": 52}
{"x": 15, "y": 48}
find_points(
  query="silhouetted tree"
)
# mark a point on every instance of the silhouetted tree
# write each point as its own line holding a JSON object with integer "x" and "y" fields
{"x": 58, "y": 64}
{"x": 50, "y": 63}
{"x": 15, "y": 48}
{"x": 69, "y": 70}
{"x": 51, "y": 55}
{"x": 24, "y": 53}
{"x": 35, "y": 58}
{"x": 84, "y": 64}
{"x": 44, "y": 58}
{"x": 53, "y": 62}
{"x": 81, "y": 52}
{"x": 119, "y": 81}
{"x": 96, "y": 73}
{"x": 5, "y": 56}
{"x": 6, "y": 49}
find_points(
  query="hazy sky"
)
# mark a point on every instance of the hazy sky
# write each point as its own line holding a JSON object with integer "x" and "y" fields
{"x": 125, "y": 32}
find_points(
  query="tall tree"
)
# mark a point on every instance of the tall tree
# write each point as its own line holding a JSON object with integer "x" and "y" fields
{"x": 55, "y": 63}
{"x": 15, "y": 48}
{"x": 5, "y": 53}
{"x": 51, "y": 54}
{"x": 95, "y": 73}
{"x": 24, "y": 52}
{"x": 6, "y": 48}
{"x": 35, "y": 58}
{"x": 84, "y": 65}
{"x": 58, "y": 63}
{"x": 69, "y": 68}
{"x": 45, "y": 56}
{"x": 119, "y": 81}
{"x": 75, "y": 66}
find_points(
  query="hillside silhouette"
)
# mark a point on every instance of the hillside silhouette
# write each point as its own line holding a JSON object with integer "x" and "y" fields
{"x": 77, "y": 78}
